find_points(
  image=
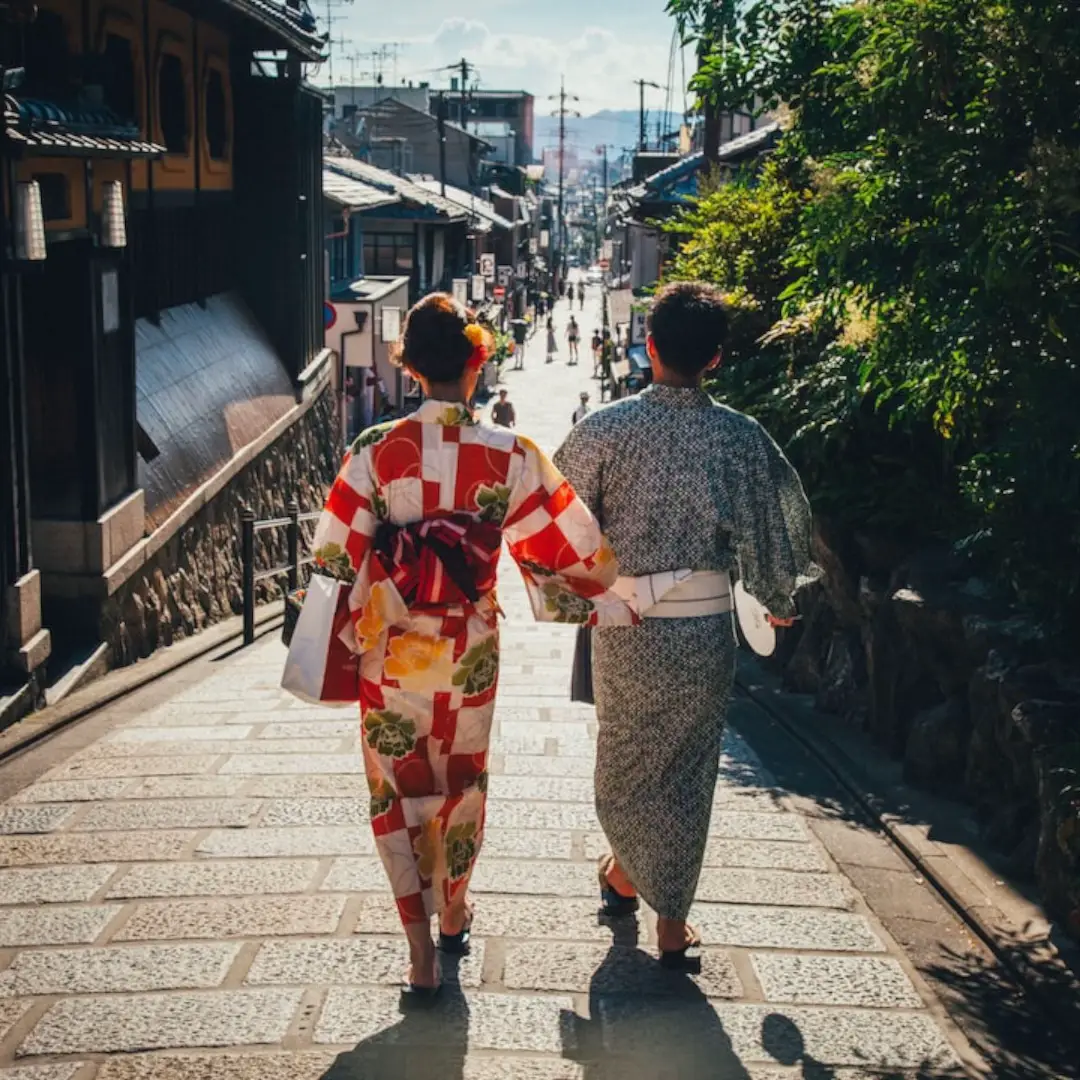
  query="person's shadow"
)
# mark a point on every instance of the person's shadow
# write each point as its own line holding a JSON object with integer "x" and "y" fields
{"x": 429, "y": 1042}
{"x": 647, "y": 1023}
{"x": 782, "y": 1038}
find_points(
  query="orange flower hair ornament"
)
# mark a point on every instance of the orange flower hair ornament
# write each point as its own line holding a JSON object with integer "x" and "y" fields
{"x": 475, "y": 333}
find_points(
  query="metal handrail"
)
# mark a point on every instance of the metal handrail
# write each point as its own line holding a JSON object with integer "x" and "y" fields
{"x": 290, "y": 569}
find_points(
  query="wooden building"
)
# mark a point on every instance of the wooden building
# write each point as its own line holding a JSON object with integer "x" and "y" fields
{"x": 162, "y": 283}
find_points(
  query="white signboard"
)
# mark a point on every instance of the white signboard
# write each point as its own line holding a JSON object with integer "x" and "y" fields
{"x": 607, "y": 252}
{"x": 522, "y": 271}
{"x": 391, "y": 323}
{"x": 460, "y": 291}
{"x": 487, "y": 267}
{"x": 637, "y": 327}
{"x": 479, "y": 288}
{"x": 545, "y": 238}
{"x": 506, "y": 275}
{"x": 534, "y": 246}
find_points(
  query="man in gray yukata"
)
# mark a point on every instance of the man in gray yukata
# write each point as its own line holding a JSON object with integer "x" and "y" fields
{"x": 688, "y": 492}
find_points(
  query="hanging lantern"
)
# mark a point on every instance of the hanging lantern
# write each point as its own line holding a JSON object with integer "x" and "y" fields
{"x": 29, "y": 222}
{"x": 113, "y": 225}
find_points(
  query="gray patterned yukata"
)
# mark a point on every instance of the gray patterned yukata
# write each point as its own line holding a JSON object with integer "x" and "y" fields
{"x": 677, "y": 482}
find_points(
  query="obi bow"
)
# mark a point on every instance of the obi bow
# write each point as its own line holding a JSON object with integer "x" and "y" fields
{"x": 441, "y": 562}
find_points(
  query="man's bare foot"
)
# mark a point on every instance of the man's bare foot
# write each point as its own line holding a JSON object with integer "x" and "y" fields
{"x": 674, "y": 935}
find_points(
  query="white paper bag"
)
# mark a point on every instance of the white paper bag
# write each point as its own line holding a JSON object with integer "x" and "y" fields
{"x": 320, "y": 667}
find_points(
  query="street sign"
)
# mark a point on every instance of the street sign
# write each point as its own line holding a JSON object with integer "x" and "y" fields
{"x": 500, "y": 292}
{"x": 534, "y": 246}
{"x": 460, "y": 290}
{"x": 637, "y": 328}
{"x": 545, "y": 238}
{"x": 604, "y": 264}
{"x": 391, "y": 323}
{"x": 487, "y": 267}
{"x": 607, "y": 251}
{"x": 522, "y": 271}
{"x": 479, "y": 288}
{"x": 506, "y": 275}
{"x": 329, "y": 315}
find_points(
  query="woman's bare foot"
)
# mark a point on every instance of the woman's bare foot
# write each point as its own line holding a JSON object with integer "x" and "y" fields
{"x": 423, "y": 957}
{"x": 674, "y": 935}
{"x": 456, "y": 917}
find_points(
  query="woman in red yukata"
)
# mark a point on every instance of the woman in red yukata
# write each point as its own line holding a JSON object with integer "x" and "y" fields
{"x": 415, "y": 521}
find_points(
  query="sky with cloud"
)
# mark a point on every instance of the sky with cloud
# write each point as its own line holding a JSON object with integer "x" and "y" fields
{"x": 600, "y": 46}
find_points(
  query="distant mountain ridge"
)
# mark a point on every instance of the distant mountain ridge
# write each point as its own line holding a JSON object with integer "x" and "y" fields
{"x": 615, "y": 127}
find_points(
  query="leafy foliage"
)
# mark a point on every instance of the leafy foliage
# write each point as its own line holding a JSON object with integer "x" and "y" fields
{"x": 906, "y": 271}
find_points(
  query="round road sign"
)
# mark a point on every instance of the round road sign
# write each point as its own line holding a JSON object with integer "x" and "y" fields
{"x": 329, "y": 315}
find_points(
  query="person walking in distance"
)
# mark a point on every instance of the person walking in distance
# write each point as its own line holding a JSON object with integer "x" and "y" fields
{"x": 552, "y": 344}
{"x": 581, "y": 294}
{"x": 573, "y": 334}
{"x": 705, "y": 493}
{"x": 597, "y": 346}
{"x": 502, "y": 412}
{"x": 582, "y": 410}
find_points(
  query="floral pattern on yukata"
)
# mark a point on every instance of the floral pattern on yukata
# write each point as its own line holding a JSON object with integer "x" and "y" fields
{"x": 677, "y": 482}
{"x": 428, "y": 677}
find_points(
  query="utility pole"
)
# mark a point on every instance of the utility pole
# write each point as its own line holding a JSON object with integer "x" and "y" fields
{"x": 441, "y": 116}
{"x": 331, "y": 18}
{"x": 643, "y": 138}
{"x": 562, "y": 112}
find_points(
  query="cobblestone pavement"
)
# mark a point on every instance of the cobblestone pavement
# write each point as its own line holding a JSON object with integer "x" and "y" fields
{"x": 195, "y": 894}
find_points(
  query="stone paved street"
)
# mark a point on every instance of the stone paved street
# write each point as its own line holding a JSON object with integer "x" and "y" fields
{"x": 194, "y": 893}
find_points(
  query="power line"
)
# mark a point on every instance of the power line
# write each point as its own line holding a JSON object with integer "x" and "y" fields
{"x": 643, "y": 138}
{"x": 562, "y": 112}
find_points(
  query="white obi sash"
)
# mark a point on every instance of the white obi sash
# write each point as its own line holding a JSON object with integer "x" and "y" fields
{"x": 677, "y": 594}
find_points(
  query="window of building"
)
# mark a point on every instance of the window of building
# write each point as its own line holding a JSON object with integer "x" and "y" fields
{"x": 388, "y": 254}
{"x": 55, "y": 196}
{"x": 172, "y": 104}
{"x": 339, "y": 254}
{"x": 217, "y": 116}
{"x": 118, "y": 76}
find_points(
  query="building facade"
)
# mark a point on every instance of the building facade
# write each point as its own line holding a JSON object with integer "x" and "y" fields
{"x": 512, "y": 107}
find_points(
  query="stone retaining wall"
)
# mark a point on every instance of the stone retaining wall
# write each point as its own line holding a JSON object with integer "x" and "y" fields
{"x": 194, "y": 579}
{"x": 943, "y": 675}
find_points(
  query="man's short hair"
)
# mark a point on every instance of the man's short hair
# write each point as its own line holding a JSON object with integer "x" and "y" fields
{"x": 688, "y": 323}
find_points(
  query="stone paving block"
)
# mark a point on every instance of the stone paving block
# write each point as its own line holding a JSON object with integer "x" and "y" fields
{"x": 315, "y": 729}
{"x": 357, "y": 875}
{"x": 320, "y": 812}
{"x": 253, "y": 747}
{"x": 255, "y": 917}
{"x": 227, "y": 691}
{"x": 181, "y": 814}
{"x": 159, "y": 1021}
{"x": 534, "y": 878}
{"x": 252, "y": 1066}
{"x": 253, "y": 877}
{"x": 294, "y": 764}
{"x": 10, "y": 1014}
{"x": 511, "y": 815}
{"x": 773, "y": 887}
{"x": 333, "y": 786}
{"x": 349, "y": 962}
{"x": 128, "y": 969}
{"x": 95, "y": 847}
{"x": 71, "y": 791}
{"x": 567, "y": 735}
{"x": 540, "y": 789}
{"x": 526, "y": 844}
{"x": 186, "y": 787}
{"x": 62, "y": 1070}
{"x": 53, "y": 884}
{"x": 733, "y": 798}
{"x": 777, "y": 928}
{"x": 525, "y": 765}
{"x": 521, "y": 743}
{"x": 102, "y": 768}
{"x": 770, "y": 826}
{"x": 760, "y": 854}
{"x": 177, "y": 734}
{"x": 539, "y": 1024}
{"x": 33, "y": 819}
{"x": 281, "y": 842}
{"x": 516, "y": 1068}
{"x": 616, "y": 969}
{"x": 867, "y": 981}
{"x": 767, "y": 1034}
{"x": 54, "y": 925}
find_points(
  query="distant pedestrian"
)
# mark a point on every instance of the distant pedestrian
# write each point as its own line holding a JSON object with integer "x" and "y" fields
{"x": 552, "y": 345}
{"x": 502, "y": 412}
{"x": 573, "y": 335}
{"x": 597, "y": 346}
{"x": 582, "y": 410}
{"x": 570, "y": 292}
{"x": 581, "y": 295}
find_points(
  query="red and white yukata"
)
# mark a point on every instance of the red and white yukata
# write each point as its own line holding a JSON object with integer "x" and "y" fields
{"x": 429, "y": 655}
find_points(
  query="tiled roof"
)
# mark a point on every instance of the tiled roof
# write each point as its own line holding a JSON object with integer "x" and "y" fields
{"x": 474, "y": 204}
{"x": 388, "y": 182}
{"x": 729, "y": 151}
{"x": 295, "y": 26}
{"x": 36, "y": 126}
{"x": 354, "y": 194}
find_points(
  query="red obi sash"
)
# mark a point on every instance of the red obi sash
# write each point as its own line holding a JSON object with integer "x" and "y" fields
{"x": 442, "y": 562}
